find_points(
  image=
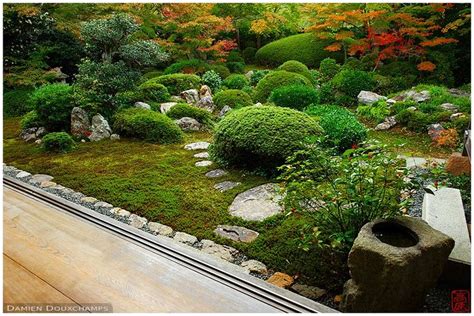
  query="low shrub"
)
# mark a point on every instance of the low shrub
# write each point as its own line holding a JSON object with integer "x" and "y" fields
{"x": 276, "y": 79}
{"x": 127, "y": 99}
{"x": 375, "y": 112}
{"x": 16, "y": 102}
{"x": 257, "y": 75}
{"x": 212, "y": 80}
{"x": 235, "y": 67}
{"x": 414, "y": 120}
{"x": 460, "y": 124}
{"x": 53, "y": 103}
{"x": 221, "y": 70}
{"x": 191, "y": 66}
{"x": 328, "y": 68}
{"x": 341, "y": 127}
{"x": 30, "y": 119}
{"x": 348, "y": 83}
{"x": 297, "y": 97}
{"x": 148, "y": 125}
{"x": 260, "y": 137}
{"x": 234, "y": 98}
{"x": 402, "y": 105}
{"x": 177, "y": 83}
{"x": 306, "y": 48}
{"x": 155, "y": 92}
{"x": 60, "y": 142}
{"x": 235, "y": 81}
{"x": 152, "y": 74}
{"x": 234, "y": 57}
{"x": 326, "y": 93}
{"x": 296, "y": 67}
{"x": 186, "y": 110}
{"x": 249, "y": 54}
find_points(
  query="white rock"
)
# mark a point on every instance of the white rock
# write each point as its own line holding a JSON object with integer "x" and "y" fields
{"x": 449, "y": 107}
{"x": 188, "y": 124}
{"x": 38, "y": 178}
{"x": 191, "y": 96}
{"x": 165, "y": 107}
{"x": 103, "y": 204}
{"x": 203, "y": 155}
{"x": 100, "y": 128}
{"x": 254, "y": 266}
{"x": 114, "y": 137}
{"x": 223, "y": 252}
{"x": 119, "y": 212}
{"x": 160, "y": 229}
{"x": 226, "y": 185}
{"x": 89, "y": 200}
{"x": 217, "y": 173}
{"x": 204, "y": 163}
{"x": 456, "y": 116}
{"x": 142, "y": 105}
{"x": 197, "y": 146}
{"x": 368, "y": 97}
{"x": 23, "y": 174}
{"x": 185, "y": 238}
{"x": 137, "y": 221}
{"x": 47, "y": 184}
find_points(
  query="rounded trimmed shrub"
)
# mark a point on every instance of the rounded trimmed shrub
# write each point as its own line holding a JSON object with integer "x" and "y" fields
{"x": 296, "y": 67}
{"x": 234, "y": 98}
{"x": 152, "y": 74}
{"x": 212, "y": 80}
{"x": 59, "y": 142}
{"x": 235, "y": 81}
{"x": 328, "y": 68}
{"x": 276, "y": 79}
{"x": 191, "y": 66}
{"x": 186, "y": 110}
{"x": 177, "y": 83}
{"x": 261, "y": 137}
{"x": 54, "y": 103}
{"x": 148, "y": 125}
{"x": 155, "y": 92}
{"x": 306, "y": 48}
{"x": 29, "y": 120}
{"x": 221, "y": 70}
{"x": 350, "y": 82}
{"x": 341, "y": 127}
{"x": 297, "y": 97}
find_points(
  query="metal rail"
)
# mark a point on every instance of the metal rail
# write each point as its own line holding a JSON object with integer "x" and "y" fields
{"x": 257, "y": 289}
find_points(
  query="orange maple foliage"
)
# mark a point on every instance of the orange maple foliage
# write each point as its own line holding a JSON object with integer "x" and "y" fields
{"x": 426, "y": 66}
{"x": 447, "y": 138}
{"x": 438, "y": 41}
{"x": 334, "y": 47}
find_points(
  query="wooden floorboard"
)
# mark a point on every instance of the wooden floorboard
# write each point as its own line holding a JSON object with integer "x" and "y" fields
{"x": 90, "y": 265}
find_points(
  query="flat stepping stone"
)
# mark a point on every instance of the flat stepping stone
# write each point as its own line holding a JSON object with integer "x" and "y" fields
{"x": 444, "y": 211}
{"x": 258, "y": 203}
{"x": 226, "y": 185}
{"x": 216, "y": 173}
{"x": 38, "y": 178}
{"x": 203, "y": 155}
{"x": 197, "y": 146}
{"x": 236, "y": 233}
{"x": 420, "y": 162}
{"x": 203, "y": 163}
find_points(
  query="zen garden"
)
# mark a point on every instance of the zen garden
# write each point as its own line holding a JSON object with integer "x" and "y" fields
{"x": 323, "y": 148}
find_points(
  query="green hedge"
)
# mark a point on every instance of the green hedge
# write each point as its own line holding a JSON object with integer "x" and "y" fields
{"x": 177, "y": 83}
{"x": 341, "y": 127}
{"x": 296, "y": 97}
{"x": 296, "y": 67}
{"x": 186, "y": 110}
{"x": 58, "y": 142}
{"x": 235, "y": 81}
{"x": 275, "y": 80}
{"x": 148, "y": 125}
{"x": 16, "y": 102}
{"x": 191, "y": 66}
{"x": 261, "y": 137}
{"x": 234, "y": 98}
{"x": 306, "y": 48}
{"x": 155, "y": 92}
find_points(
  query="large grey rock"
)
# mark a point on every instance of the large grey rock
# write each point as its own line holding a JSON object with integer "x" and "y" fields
{"x": 137, "y": 221}
{"x": 217, "y": 173}
{"x": 254, "y": 266}
{"x": 38, "y": 178}
{"x": 226, "y": 185}
{"x": 32, "y": 134}
{"x": 223, "y": 252}
{"x": 188, "y": 124}
{"x": 206, "y": 103}
{"x": 311, "y": 292}
{"x": 257, "y": 203}
{"x": 80, "y": 123}
{"x": 393, "y": 264}
{"x": 236, "y": 233}
{"x": 142, "y": 105}
{"x": 197, "y": 146}
{"x": 368, "y": 97}
{"x": 165, "y": 107}
{"x": 205, "y": 91}
{"x": 100, "y": 128}
{"x": 191, "y": 96}
{"x": 434, "y": 130}
{"x": 185, "y": 238}
{"x": 444, "y": 211}
{"x": 388, "y": 123}
{"x": 160, "y": 229}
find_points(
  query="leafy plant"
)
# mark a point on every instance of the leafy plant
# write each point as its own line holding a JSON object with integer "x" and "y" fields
{"x": 185, "y": 110}
{"x": 155, "y": 92}
{"x": 191, "y": 66}
{"x": 276, "y": 79}
{"x": 30, "y": 119}
{"x": 177, "y": 83}
{"x": 296, "y": 67}
{"x": 16, "y": 102}
{"x": 328, "y": 68}
{"x": 296, "y": 97}
{"x": 235, "y": 81}
{"x": 257, "y": 75}
{"x": 349, "y": 83}
{"x": 234, "y": 98}
{"x": 212, "y": 80}
{"x": 376, "y": 112}
{"x": 58, "y": 142}
{"x": 235, "y": 67}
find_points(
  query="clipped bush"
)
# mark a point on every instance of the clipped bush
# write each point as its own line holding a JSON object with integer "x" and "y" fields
{"x": 234, "y": 57}
{"x": 297, "y": 97}
{"x": 235, "y": 81}
{"x": 152, "y": 74}
{"x": 53, "y": 103}
{"x": 348, "y": 83}
{"x": 233, "y": 98}
{"x": 328, "y": 68}
{"x": 306, "y": 48}
{"x": 249, "y": 54}
{"x": 212, "y": 80}
{"x": 296, "y": 67}
{"x": 186, "y": 110}
{"x": 29, "y": 120}
{"x": 191, "y": 66}
{"x": 59, "y": 142}
{"x": 257, "y": 75}
{"x": 341, "y": 127}
{"x": 276, "y": 79}
{"x": 127, "y": 99}
{"x": 16, "y": 102}
{"x": 147, "y": 125}
{"x": 235, "y": 67}
{"x": 152, "y": 91}
{"x": 221, "y": 70}
{"x": 177, "y": 83}
{"x": 261, "y": 137}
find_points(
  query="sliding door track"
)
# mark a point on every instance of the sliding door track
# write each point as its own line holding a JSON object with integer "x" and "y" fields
{"x": 280, "y": 299}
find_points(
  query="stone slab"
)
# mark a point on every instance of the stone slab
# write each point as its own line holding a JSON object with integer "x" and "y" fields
{"x": 226, "y": 185}
{"x": 236, "y": 233}
{"x": 444, "y": 211}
